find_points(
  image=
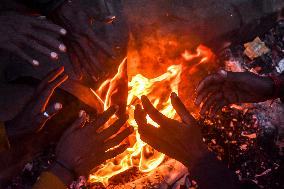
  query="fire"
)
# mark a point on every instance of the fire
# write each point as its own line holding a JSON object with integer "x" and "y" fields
{"x": 158, "y": 90}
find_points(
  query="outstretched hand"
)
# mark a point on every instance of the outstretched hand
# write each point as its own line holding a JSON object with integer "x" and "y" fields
{"x": 37, "y": 111}
{"x": 83, "y": 147}
{"x": 179, "y": 140}
{"x": 225, "y": 88}
{"x": 81, "y": 40}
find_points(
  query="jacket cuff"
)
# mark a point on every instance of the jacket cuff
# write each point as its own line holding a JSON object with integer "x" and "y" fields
{"x": 47, "y": 180}
{"x": 4, "y": 142}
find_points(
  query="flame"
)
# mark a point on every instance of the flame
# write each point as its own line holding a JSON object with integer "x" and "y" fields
{"x": 201, "y": 51}
{"x": 158, "y": 90}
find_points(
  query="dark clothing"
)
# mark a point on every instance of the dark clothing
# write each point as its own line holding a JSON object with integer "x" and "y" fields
{"x": 43, "y": 6}
{"x": 209, "y": 172}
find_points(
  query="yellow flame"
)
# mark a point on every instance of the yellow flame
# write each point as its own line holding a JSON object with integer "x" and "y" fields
{"x": 141, "y": 155}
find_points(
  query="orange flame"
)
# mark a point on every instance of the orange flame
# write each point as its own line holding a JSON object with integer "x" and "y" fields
{"x": 158, "y": 91}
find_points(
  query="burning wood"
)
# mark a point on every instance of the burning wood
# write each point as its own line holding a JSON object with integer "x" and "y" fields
{"x": 158, "y": 90}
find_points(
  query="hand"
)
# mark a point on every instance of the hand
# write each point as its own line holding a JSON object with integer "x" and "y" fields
{"x": 81, "y": 40}
{"x": 82, "y": 147}
{"x": 224, "y": 88}
{"x": 33, "y": 117}
{"x": 18, "y": 31}
{"x": 179, "y": 140}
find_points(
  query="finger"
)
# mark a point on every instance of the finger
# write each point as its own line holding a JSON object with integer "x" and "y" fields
{"x": 41, "y": 49}
{"x": 215, "y": 97}
{"x": 217, "y": 107}
{"x": 140, "y": 116}
{"x": 90, "y": 34}
{"x": 99, "y": 43}
{"x": 45, "y": 95}
{"x": 116, "y": 152}
{"x": 113, "y": 129}
{"x": 48, "y": 26}
{"x": 23, "y": 55}
{"x": 77, "y": 124}
{"x": 210, "y": 80}
{"x": 76, "y": 59}
{"x": 104, "y": 117}
{"x": 51, "y": 76}
{"x": 93, "y": 61}
{"x": 205, "y": 93}
{"x": 143, "y": 127}
{"x": 118, "y": 138}
{"x": 153, "y": 112}
{"x": 49, "y": 113}
{"x": 94, "y": 64}
{"x": 53, "y": 109}
{"x": 49, "y": 41}
{"x": 181, "y": 110}
{"x": 84, "y": 57}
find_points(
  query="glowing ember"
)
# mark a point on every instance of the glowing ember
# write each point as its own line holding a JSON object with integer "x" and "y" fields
{"x": 158, "y": 90}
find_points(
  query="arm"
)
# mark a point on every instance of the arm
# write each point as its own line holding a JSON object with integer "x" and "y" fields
{"x": 183, "y": 142}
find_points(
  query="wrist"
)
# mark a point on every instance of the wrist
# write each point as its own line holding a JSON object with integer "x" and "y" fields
{"x": 63, "y": 173}
{"x": 193, "y": 158}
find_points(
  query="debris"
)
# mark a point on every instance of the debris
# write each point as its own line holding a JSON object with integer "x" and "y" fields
{"x": 256, "y": 48}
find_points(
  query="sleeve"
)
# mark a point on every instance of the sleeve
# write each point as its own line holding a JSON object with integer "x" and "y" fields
{"x": 209, "y": 172}
{"x": 4, "y": 142}
{"x": 43, "y": 6}
{"x": 47, "y": 180}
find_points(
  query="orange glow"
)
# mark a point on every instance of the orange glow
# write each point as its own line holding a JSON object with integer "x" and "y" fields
{"x": 158, "y": 90}
{"x": 201, "y": 51}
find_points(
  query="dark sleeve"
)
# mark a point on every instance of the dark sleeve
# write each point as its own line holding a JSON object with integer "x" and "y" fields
{"x": 209, "y": 172}
{"x": 43, "y": 6}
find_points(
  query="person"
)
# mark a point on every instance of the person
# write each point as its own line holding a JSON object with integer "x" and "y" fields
{"x": 82, "y": 41}
{"x": 83, "y": 147}
{"x": 214, "y": 92}
{"x": 224, "y": 88}
{"x": 182, "y": 141}
{"x": 29, "y": 121}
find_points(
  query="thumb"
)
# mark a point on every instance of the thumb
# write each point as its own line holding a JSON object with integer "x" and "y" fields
{"x": 181, "y": 110}
{"x": 79, "y": 122}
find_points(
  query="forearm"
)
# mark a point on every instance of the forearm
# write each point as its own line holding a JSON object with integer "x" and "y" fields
{"x": 209, "y": 172}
